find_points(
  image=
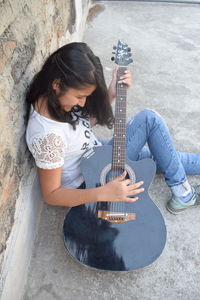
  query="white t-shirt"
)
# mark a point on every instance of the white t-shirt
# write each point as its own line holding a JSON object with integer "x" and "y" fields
{"x": 56, "y": 144}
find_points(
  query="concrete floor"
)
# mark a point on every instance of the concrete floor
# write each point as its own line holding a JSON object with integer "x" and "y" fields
{"x": 165, "y": 41}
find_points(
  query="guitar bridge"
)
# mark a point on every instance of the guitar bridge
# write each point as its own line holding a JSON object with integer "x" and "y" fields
{"x": 116, "y": 217}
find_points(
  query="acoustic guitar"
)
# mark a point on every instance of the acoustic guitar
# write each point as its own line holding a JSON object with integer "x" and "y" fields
{"x": 116, "y": 236}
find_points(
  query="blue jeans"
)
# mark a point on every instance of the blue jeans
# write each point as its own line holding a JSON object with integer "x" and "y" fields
{"x": 148, "y": 127}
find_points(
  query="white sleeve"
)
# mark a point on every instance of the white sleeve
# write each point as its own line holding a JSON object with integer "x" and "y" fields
{"x": 48, "y": 151}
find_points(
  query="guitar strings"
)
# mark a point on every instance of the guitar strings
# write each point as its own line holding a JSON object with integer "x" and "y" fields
{"x": 119, "y": 135}
{"x": 120, "y": 127}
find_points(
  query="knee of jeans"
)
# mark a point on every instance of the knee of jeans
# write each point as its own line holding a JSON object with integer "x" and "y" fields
{"x": 146, "y": 115}
{"x": 151, "y": 114}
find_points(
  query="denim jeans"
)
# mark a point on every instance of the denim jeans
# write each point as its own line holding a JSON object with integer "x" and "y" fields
{"x": 147, "y": 135}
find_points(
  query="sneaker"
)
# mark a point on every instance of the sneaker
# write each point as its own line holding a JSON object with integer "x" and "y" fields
{"x": 176, "y": 206}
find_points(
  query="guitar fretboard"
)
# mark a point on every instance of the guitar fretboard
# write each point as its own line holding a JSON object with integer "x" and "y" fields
{"x": 119, "y": 146}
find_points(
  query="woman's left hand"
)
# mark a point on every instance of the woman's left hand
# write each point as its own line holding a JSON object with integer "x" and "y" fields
{"x": 126, "y": 78}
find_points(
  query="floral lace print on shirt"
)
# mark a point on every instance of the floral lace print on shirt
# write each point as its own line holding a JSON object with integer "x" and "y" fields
{"x": 48, "y": 149}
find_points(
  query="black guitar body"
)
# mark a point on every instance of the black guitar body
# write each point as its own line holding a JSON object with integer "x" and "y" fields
{"x": 113, "y": 245}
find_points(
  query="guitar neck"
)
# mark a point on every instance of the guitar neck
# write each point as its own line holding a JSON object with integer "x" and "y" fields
{"x": 119, "y": 144}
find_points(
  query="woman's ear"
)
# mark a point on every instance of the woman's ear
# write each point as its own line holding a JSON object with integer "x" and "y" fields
{"x": 56, "y": 85}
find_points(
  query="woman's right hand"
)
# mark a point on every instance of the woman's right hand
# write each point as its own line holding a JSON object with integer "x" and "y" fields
{"x": 120, "y": 189}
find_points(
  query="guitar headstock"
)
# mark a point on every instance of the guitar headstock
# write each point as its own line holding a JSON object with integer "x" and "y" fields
{"x": 122, "y": 54}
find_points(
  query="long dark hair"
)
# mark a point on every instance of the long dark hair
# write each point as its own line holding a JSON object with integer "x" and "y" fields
{"x": 74, "y": 66}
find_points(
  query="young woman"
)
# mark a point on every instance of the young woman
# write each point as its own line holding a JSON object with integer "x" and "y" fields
{"x": 66, "y": 98}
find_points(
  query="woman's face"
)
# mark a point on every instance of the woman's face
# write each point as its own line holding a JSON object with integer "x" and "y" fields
{"x": 73, "y": 97}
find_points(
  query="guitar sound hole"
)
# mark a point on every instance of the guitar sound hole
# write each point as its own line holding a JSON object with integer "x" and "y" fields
{"x": 109, "y": 173}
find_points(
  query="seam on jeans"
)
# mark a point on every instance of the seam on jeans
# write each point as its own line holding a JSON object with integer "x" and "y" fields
{"x": 163, "y": 135}
{"x": 165, "y": 138}
{"x": 171, "y": 150}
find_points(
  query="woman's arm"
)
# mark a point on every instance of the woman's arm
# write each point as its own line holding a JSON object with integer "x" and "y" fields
{"x": 54, "y": 194}
{"x": 126, "y": 78}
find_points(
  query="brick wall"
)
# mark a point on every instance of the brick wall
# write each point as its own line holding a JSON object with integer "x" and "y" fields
{"x": 29, "y": 31}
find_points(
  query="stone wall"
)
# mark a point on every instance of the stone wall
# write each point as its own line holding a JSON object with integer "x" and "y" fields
{"x": 29, "y": 31}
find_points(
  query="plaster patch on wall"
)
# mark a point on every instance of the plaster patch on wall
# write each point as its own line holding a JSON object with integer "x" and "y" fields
{"x": 71, "y": 26}
{"x": 23, "y": 55}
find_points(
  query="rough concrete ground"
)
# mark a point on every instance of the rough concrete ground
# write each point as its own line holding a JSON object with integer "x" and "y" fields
{"x": 166, "y": 44}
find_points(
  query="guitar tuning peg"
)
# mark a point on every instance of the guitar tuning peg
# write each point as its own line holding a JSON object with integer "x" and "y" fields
{"x": 114, "y": 47}
{"x": 113, "y": 52}
{"x": 112, "y": 58}
{"x": 129, "y": 49}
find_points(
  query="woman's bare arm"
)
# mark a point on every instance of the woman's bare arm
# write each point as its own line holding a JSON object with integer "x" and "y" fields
{"x": 54, "y": 194}
{"x": 126, "y": 78}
